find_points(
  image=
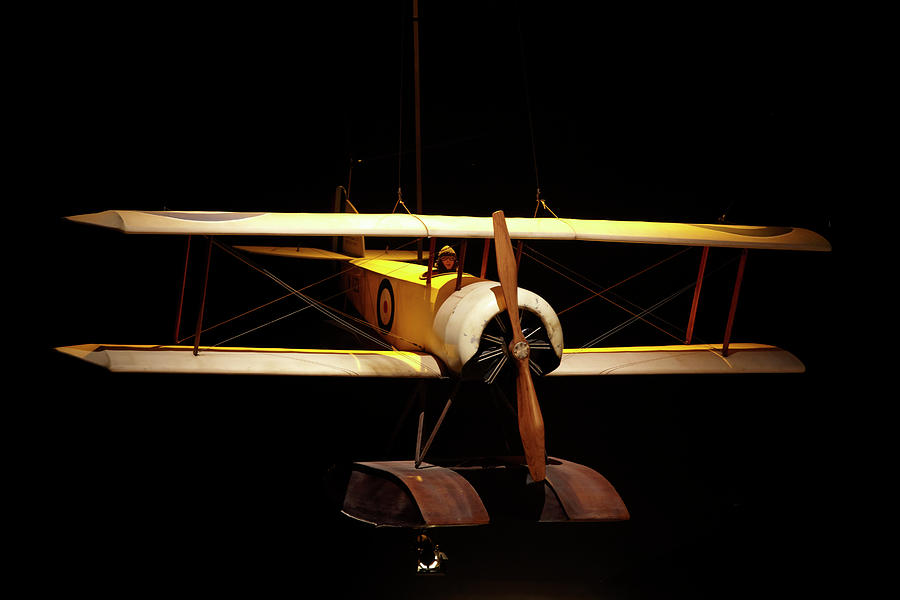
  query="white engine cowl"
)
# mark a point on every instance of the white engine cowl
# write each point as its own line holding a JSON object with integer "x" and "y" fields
{"x": 462, "y": 320}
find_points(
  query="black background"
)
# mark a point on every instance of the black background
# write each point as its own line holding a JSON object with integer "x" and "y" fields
{"x": 166, "y": 482}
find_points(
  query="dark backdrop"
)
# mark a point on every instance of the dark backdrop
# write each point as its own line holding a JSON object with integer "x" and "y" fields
{"x": 192, "y": 483}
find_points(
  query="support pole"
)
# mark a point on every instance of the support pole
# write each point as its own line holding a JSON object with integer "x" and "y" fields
{"x": 187, "y": 256}
{"x": 459, "y": 264}
{"x": 484, "y": 257}
{"x": 416, "y": 397}
{"x": 203, "y": 298}
{"x": 734, "y": 300}
{"x": 421, "y": 456}
{"x": 419, "y": 429}
{"x": 696, "y": 301}
{"x": 431, "y": 244}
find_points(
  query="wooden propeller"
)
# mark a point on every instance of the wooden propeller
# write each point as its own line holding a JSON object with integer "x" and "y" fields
{"x": 531, "y": 423}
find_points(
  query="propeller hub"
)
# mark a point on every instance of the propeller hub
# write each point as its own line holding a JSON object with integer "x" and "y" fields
{"x": 519, "y": 350}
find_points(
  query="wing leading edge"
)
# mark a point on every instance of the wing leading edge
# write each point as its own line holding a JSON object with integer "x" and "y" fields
{"x": 406, "y": 225}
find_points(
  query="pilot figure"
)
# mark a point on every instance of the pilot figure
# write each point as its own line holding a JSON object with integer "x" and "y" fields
{"x": 446, "y": 260}
{"x": 446, "y": 263}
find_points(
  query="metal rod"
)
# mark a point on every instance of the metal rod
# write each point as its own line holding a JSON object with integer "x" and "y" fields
{"x": 437, "y": 425}
{"x": 484, "y": 257}
{"x": 431, "y": 244}
{"x": 203, "y": 298}
{"x": 459, "y": 263}
{"x": 419, "y": 434}
{"x": 734, "y": 300}
{"x": 696, "y": 300}
{"x": 187, "y": 256}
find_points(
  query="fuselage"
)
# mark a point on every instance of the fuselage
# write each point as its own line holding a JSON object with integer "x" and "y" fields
{"x": 455, "y": 319}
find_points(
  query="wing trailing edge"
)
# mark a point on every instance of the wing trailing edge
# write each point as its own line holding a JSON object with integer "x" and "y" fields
{"x": 257, "y": 361}
{"x": 705, "y": 359}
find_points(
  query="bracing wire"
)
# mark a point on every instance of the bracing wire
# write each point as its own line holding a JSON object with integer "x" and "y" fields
{"x": 639, "y": 316}
{"x": 272, "y": 322}
{"x": 325, "y": 310}
{"x": 343, "y": 321}
{"x": 260, "y": 307}
{"x": 656, "y": 306}
{"x": 603, "y": 294}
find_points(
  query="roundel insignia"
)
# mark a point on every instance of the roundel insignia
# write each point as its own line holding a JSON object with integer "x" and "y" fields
{"x": 385, "y": 309}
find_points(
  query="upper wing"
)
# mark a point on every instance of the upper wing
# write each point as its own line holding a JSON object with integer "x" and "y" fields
{"x": 672, "y": 360}
{"x": 258, "y": 361}
{"x": 406, "y": 225}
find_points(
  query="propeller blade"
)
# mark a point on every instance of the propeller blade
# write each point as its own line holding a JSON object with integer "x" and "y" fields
{"x": 506, "y": 268}
{"x": 531, "y": 422}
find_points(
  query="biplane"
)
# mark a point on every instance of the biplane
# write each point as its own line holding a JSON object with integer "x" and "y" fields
{"x": 458, "y": 326}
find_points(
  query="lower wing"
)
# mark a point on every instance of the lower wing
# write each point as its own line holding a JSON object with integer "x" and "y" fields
{"x": 673, "y": 360}
{"x": 257, "y": 361}
{"x": 636, "y": 360}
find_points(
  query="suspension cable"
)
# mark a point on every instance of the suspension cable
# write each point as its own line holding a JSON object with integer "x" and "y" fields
{"x": 527, "y": 93}
{"x": 400, "y": 117}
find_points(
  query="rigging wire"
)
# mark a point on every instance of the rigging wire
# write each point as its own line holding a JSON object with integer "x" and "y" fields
{"x": 595, "y": 293}
{"x": 322, "y": 308}
{"x": 260, "y": 307}
{"x": 311, "y": 303}
{"x": 640, "y": 316}
{"x": 272, "y": 322}
{"x": 659, "y": 304}
{"x": 635, "y": 316}
{"x": 600, "y": 294}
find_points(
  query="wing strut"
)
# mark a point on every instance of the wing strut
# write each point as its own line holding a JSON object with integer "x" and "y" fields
{"x": 734, "y": 300}
{"x": 187, "y": 256}
{"x": 696, "y": 301}
{"x": 203, "y": 298}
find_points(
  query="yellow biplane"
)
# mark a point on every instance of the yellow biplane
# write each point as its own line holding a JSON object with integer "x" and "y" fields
{"x": 452, "y": 325}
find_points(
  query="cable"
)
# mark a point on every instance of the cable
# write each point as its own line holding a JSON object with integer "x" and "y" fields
{"x": 311, "y": 301}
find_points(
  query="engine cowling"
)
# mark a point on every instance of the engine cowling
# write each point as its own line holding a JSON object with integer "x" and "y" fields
{"x": 473, "y": 328}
